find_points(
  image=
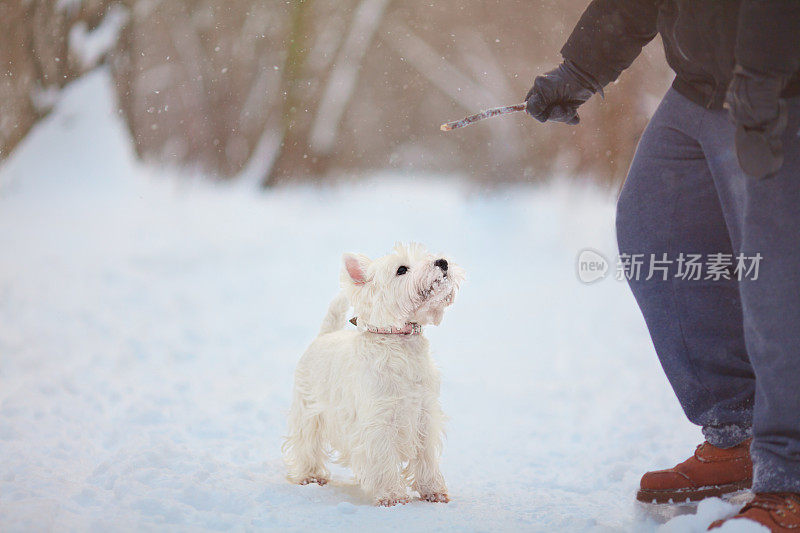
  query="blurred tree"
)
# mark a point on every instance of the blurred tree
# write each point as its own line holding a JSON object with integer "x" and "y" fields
{"x": 43, "y": 47}
{"x": 276, "y": 90}
{"x": 194, "y": 80}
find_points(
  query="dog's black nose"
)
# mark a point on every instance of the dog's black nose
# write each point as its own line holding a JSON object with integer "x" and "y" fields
{"x": 441, "y": 263}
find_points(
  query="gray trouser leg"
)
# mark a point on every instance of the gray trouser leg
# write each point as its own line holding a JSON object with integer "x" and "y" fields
{"x": 669, "y": 205}
{"x": 768, "y": 218}
{"x": 731, "y": 349}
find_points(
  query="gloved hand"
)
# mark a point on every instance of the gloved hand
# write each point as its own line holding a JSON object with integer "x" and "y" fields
{"x": 760, "y": 116}
{"x": 557, "y": 94}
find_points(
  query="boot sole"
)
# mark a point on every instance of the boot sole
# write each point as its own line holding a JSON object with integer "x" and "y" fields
{"x": 690, "y": 495}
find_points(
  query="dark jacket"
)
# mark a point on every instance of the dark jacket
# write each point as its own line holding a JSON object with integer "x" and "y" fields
{"x": 703, "y": 40}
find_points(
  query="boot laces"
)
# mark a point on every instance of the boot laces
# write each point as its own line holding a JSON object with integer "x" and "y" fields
{"x": 775, "y": 502}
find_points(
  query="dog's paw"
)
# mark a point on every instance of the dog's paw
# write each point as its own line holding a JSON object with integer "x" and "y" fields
{"x": 436, "y": 497}
{"x": 318, "y": 480}
{"x": 391, "y": 501}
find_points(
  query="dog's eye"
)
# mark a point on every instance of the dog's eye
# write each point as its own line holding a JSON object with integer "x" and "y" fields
{"x": 402, "y": 270}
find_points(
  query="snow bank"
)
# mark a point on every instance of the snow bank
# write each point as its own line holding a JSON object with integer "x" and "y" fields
{"x": 149, "y": 328}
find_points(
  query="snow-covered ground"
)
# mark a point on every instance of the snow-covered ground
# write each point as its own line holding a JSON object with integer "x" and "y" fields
{"x": 149, "y": 327}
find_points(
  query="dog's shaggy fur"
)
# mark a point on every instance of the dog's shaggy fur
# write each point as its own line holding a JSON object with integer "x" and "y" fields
{"x": 373, "y": 398}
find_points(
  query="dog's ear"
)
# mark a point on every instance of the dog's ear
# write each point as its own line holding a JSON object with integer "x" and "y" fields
{"x": 356, "y": 267}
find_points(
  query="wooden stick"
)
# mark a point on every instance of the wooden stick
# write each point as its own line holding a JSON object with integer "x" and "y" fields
{"x": 495, "y": 111}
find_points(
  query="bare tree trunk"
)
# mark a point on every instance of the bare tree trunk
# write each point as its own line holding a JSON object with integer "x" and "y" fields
{"x": 292, "y": 159}
{"x": 342, "y": 80}
{"x": 37, "y": 59}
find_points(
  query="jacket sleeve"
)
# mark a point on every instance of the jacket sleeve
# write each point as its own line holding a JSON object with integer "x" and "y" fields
{"x": 768, "y": 39}
{"x": 610, "y": 35}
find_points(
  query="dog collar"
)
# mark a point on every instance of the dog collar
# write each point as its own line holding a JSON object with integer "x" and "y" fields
{"x": 411, "y": 328}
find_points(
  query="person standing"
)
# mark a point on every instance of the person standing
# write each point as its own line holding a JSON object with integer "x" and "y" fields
{"x": 715, "y": 177}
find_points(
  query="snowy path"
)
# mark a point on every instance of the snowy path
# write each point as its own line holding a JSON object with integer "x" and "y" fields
{"x": 149, "y": 330}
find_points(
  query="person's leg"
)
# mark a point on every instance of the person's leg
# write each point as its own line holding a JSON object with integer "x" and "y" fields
{"x": 767, "y": 213}
{"x": 669, "y": 205}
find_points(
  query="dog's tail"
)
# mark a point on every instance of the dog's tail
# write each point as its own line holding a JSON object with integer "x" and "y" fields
{"x": 337, "y": 315}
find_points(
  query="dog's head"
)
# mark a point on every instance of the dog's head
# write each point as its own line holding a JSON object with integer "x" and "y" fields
{"x": 408, "y": 285}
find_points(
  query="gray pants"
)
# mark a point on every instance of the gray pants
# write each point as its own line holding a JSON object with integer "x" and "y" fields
{"x": 730, "y": 347}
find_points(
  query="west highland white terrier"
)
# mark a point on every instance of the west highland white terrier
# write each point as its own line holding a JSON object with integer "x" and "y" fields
{"x": 371, "y": 395}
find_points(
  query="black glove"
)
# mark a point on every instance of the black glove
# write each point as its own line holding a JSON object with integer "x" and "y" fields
{"x": 557, "y": 94}
{"x": 760, "y": 116}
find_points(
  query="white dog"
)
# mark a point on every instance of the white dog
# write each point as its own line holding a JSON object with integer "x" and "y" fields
{"x": 372, "y": 395}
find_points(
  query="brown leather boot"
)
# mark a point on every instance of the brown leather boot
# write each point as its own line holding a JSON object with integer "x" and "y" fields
{"x": 711, "y": 471}
{"x": 778, "y": 511}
